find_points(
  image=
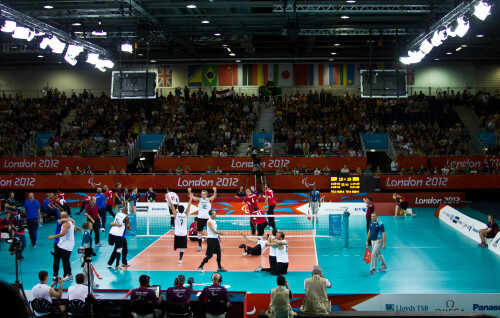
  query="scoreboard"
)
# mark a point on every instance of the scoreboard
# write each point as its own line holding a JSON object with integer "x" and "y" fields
{"x": 354, "y": 184}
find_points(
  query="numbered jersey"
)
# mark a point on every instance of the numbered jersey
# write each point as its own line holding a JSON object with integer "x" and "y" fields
{"x": 181, "y": 224}
{"x": 173, "y": 197}
{"x": 204, "y": 207}
{"x": 118, "y": 230}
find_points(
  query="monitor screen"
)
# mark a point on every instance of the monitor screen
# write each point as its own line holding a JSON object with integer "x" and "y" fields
{"x": 156, "y": 289}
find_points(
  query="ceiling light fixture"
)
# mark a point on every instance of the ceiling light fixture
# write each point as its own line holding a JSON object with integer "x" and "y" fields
{"x": 48, "y": 6}
{"x": 337, "y": 44}
{"x": 205, "y": 21}
{"x": 99, "y": 33}
{"x": 449, "y": 53}
{"x": 458, "y": 48}
{"x": 54, "y": 43}
{"x": 40, "y": 56}
{"x": 77, "y": 24}
{"x": 217, "y": 34}
{"x": 333, "y": 53}
{"x": 72, "y": 52}
{"x": 479, "y": 36}
{"x": 9, "y": 26}
{"x": 238, "y": 61}
{"x": 351, "y": 1}
{"x": 344, "y": 17}
{"x": 232, "y": 54}
{"x": 153, "y": 61}
{"x": 191, "y": 6}
{"x": 482, "y": 10}
{"x": 127, "y": 47}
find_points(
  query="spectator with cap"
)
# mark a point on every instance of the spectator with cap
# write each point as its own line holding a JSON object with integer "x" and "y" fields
{"x": 316, "y": 300}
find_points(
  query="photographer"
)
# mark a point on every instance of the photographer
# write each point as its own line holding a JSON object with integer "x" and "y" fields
{"x": 44, "y": 291}
{"x": 18, "y": 229}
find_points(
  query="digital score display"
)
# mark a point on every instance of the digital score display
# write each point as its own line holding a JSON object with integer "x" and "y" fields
{"x": 354, "y": 184}
{"x": 345, "y": 184}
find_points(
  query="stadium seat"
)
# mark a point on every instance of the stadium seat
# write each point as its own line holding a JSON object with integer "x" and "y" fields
{"x": 142, "y": 309}
{"x": 42, "y": 308}
{"x": 76, "y": 308}
{"x": 178, "y": 310}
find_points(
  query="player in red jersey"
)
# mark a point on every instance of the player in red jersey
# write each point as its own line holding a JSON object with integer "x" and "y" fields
{"x": 402, "y": 205}
{"x": 62, "y": 201}
{"x": 109, "y": 200}
{"x": 251, "y": 201}
{"x": 259, "y": 220}
{"x": 271, "y": 203}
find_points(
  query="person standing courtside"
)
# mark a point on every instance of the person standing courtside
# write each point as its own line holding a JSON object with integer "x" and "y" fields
{"x": 213, "y": 243}
{"x": 109, "y": 200}
{"x": 314, "y": 203}
{"x": 175, "y": 200}
{"x": 376, "y": 234}
{"x": 118, "y": 196}
{"x": 370, "y": 208}
{"x": 118, "y": 226}
{"x": 33, "y": 217}
{"x": 204, "y": 208}
{"x": 271, "y": 204}
{"x": 180, "y": 230}
{"x": 92, "y": 214}
{"x": 100, "y": 201}
{"x": 64, "y": 248}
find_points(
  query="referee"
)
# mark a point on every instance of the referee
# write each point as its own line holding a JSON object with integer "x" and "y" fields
{"x": 213, "y": 243}
{"x": 314, "y": 203}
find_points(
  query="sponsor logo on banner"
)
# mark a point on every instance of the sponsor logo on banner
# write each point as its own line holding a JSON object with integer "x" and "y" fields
{"x": 92, "y": 183}
{"x": 389, "y": 307}
{"x": 307, "y": 184}
{"x": 450, "y": 306}
{"x": 461, "y": 222}
{"x": 494, "y": 245}
{"x": 485, "y": 307}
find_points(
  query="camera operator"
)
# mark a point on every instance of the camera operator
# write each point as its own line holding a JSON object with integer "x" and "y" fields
{"x": 33, "y": 216}
{"x": 11, "y": 204}
{"x": 87, "y": 227}
{"x": 18, "y": 229}
{"x": 151, "y": 195}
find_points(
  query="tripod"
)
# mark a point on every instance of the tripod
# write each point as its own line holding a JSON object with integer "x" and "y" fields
{"x": 89, "y": 301}
{"x": 17, "y": 284}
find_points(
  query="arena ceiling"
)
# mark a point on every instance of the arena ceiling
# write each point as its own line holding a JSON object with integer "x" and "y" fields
{"x": 266, "y": 31}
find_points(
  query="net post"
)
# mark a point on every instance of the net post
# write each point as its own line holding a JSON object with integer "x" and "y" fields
{"x": 147, "y": 222}
{"x": 315, "y": 220}
{"x": 345, "y": 225}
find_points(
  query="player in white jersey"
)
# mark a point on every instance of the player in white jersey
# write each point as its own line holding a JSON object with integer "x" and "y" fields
{"x": 272, "y": 254}
{"x": 175, "y": 200}
{"x": 281, "y": 254}
{"x": 180, "y": 231}
{"x": 258, "y": 249}
{"x": 204, "y": 207}
{"x": 116, "y": 232}
{"x": 213, "y": 243}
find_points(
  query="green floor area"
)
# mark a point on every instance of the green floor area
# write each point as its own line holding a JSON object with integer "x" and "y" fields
{"x": 423, "y": 254}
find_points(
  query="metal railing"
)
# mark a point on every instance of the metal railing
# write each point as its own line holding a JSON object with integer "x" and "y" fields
{"x": 134, "y": 151}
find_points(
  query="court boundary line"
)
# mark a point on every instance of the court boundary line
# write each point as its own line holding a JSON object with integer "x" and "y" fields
{"x": 148, "y": 246}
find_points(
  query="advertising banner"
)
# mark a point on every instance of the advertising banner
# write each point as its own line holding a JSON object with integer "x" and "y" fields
{"x": 58, "y": 164}
{"x": 133, "y": 224}
{"x": 375, "y": 141}
{"x": 487, "y": 138}
{"x": 260, "y": 138}
{"x": 494, "y": 245}
{"x": 473, "y": 162}
{"x": 461, "y": 222}
{"x": 42, "y": 138}
{"x": 268, "y": 163}
{"x": 151, "y": 141}
{"x": 452, "y": 181}
{"x": 33, "y": 182}
{"x": 335, "y": 225}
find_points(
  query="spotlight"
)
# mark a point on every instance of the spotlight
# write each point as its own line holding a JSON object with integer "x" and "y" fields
{"x": 426, "y": 46}
{"x": 72, "y": 52}
{"x": 103, "y": 64}
{"x": 9, "y": 26}
{"x": 92, "y": 58}
{"x": 482, "y": 10}
{"x": 22, "y": 33}
{"x": 54, "y": 43}
{"x": 438, "y": 38}
{"x": 126, "y": 47}
{"x": 463, "y": 27}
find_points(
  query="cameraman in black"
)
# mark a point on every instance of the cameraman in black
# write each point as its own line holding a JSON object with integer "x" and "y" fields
{"x": 18, "y": 229}
{"x": 11, "y": 204}
{"x": 257, "y": 171}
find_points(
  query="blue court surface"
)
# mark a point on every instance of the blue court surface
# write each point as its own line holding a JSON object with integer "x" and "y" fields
{"x": 423, "y": 254}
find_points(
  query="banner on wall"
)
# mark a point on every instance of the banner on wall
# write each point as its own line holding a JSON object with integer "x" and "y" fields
{"x": 488, "y": 138}
{"x": 232, "y": 182}
{"x": 267, "y": 164}
{"x": 473, "y": 162}
{"x": 260, "y": 138}
{"x": 452, "y": 181}
{"x": 494, "y": 245}
{"x": 151, "y": 141}
{"x": 59, "y": 164}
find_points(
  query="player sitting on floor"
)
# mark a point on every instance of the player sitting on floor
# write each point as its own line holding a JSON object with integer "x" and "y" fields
{"x": 258, "y": 249}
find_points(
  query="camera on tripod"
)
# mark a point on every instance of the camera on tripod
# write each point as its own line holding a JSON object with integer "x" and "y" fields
{"x": 15, "y": 245}
{"x": 87, "y": 252}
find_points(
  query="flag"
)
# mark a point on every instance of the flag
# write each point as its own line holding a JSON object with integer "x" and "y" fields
{"x": 164, "y": 76}
{"x": 250, "y": 74}
{"x": 209, "y": 75}
{"x": 285, "y": 75}
{"x": 328, "y": 74}
{"x": 368, "y": 256}
{"x": 301, "y": 74}
{"x": 344, "y": 74}
{"x": 194, "y": 75}
{"x": 228, "y": 74}
{"x": 410, "y": 75}
{"x": 223, "y": 93}
{"x": 272, "y": 74}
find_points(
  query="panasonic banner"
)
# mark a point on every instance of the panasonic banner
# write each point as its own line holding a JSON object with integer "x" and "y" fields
{"x": 461, "y": 222}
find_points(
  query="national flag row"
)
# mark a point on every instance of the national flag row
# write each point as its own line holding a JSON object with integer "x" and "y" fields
{"x": 316, "y": 74}
{"x": 283, "y": 74}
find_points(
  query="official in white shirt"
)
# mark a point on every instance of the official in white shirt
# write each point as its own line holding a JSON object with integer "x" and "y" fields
{"x": 79, "y": 291}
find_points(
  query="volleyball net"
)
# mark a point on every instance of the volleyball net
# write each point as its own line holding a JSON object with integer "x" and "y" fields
{"x": 296, "y": 225}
